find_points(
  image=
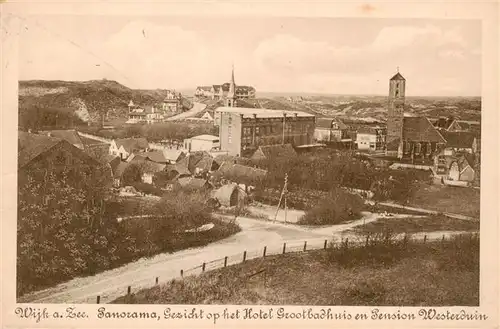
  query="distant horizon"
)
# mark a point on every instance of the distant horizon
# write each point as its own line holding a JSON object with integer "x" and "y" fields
{"x": 280, "y": 93}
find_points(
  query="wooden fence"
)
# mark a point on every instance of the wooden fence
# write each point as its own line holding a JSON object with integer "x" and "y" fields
{"x": 295, "y": 246}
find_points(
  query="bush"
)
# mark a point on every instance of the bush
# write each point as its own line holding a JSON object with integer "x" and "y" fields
{"x": 131, "y": 175}
{"x": 148, "y": 189}
{"x": 340, "y": 206}
{"x": 381, "y": 250}
{"x": 66, "y": 231}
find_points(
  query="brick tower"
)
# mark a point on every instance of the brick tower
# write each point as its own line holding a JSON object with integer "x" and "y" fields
{"x": 395, "y": 113}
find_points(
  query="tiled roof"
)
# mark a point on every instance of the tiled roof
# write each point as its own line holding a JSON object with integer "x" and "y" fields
{"x": 246, "y": 173}
{"x": 32, "y": 145}
{"x": 155, "y": 156}
{"x": 149, "y": 166}
{"x": 90, "y": 141}
{"x": 224, "y": 193}
{"x": 458, "y": 139}
{"x": 191, "y": 182}
{"x": 201, "y": 160}
{"x": 397, "y": 76}
{"x": 279, "y": 150}
{"x": 181, "y": 167}
{"x": 132, "y": 144}
{"x": 420, "y": 129}
{"x": 172, "y": 155}
{"x": 71, "y": 136}
{"x": 205, "y": 88}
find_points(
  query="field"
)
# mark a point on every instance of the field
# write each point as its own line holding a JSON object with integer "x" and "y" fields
{"x": 437, "y": 274}
{"x": 457, "y": 200}
{"x": 414, "y": 225}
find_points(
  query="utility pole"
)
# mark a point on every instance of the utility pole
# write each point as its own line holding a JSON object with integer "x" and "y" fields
{"x": 284, "y": 126}
{"x": 283, "y": 194}
{"x": 284, "y": 191}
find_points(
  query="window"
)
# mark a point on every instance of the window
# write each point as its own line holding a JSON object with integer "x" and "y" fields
{"x": 257, "y": 131}
{"x": 397, "y": 92}
{"x": 418, "y": 148}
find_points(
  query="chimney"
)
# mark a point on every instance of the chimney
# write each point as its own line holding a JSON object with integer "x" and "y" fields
{"x": 254, "y": 116}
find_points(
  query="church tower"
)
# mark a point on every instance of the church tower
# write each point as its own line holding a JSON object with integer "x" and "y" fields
{"x": 395, "y": 113}
{"x": 231, "y": 95}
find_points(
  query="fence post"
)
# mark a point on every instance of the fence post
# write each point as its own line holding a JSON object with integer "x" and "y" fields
{"x": 442, "y": 240}
{"x": 225, "y": 261}
{"x": 305, "y": 245}
{"x": 264, "y": 253}
{"x": 156, "y": 280}
{"x": 128, "y": 290}
{"x": 245, "y": 255}
{"x": 326, "y": 241}
{"x": 98, "y": 299}
{"x": 366, "y": 245}
{"x": 346, "y": 242}
{"x": 203, "y": 267}
{"x": 284, "y": 247}
{"x": 425, "y": 238}
{"x": 182, "y": 273}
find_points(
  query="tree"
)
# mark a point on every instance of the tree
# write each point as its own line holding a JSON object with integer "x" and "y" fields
{"x": 132, "y": 174}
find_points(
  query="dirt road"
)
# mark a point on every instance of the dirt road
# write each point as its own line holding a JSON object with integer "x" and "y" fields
{"x": 197, "y": 108}
{"x": 141, "y": 274}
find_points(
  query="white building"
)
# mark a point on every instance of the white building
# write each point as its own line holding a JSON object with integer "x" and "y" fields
{"x": 202, "y": 143}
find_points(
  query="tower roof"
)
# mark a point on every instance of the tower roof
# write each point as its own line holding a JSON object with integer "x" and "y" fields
{"x": 398, "y": 76}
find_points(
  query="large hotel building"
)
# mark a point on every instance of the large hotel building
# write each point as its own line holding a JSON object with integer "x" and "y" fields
{"x": 243, "y": 130}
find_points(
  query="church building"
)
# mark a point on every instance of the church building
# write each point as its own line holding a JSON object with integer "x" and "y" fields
{"x": 409, "y": 137}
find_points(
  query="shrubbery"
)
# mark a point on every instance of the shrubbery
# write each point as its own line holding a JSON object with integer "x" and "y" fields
{"x": 340, "y": 206}
{"x": 325, "y": 169}
{"x": 66, "y": 231}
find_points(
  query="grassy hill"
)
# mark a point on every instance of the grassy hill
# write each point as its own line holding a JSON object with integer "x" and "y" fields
{"x": 84, "y": 101}
{"x": 374, "y": 108}
{"x": 383, "y": 274}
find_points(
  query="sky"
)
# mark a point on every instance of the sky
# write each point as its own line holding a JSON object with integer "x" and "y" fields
{"x": 273, "y": 54}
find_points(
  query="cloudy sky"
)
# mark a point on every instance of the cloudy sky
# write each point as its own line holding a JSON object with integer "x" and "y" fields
{"x": 330, "y": 55}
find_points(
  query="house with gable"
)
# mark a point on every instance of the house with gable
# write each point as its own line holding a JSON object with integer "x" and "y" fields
{"x": 124, "y": 147}
{"x": 461, "y": 141}
{"x": 457, "y": 169}
{"x": 39, "y": 155}
{"x": 331, "y": 130}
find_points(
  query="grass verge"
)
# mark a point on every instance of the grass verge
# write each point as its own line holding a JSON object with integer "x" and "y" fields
{"x": 457, "y": 200}
{"x": 414, "y": 225}
{"x": 382, "y": 274}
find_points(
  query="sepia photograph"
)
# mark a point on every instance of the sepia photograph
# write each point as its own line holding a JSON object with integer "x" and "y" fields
{"x": 251, "y": 161}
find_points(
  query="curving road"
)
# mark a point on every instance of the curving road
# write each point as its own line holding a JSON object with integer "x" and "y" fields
{"x": 197, "y": 108}
{"x": 254, "y": 236}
